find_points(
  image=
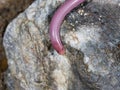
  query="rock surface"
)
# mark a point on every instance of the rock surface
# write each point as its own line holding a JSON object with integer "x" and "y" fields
{"x": 8, "y": 10}
{"x": 91, "y": 36}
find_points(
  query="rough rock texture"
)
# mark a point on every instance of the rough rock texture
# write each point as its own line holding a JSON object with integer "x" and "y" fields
{"x": 91, "y": 36}
{"x": 8, "y": 10}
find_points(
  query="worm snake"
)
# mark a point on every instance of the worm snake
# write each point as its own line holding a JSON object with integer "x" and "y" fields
{"x": 56, "y": 22}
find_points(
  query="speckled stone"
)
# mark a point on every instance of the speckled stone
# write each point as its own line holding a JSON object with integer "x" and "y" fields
{"x": 91, "y": 36}
{"x": 9, "y": 9}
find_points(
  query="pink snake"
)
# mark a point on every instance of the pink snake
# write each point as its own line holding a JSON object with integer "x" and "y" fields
{"x": 56, "y": 22}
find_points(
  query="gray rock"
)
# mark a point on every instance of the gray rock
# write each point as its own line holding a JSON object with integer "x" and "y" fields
{"x": 91, "y": 36}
